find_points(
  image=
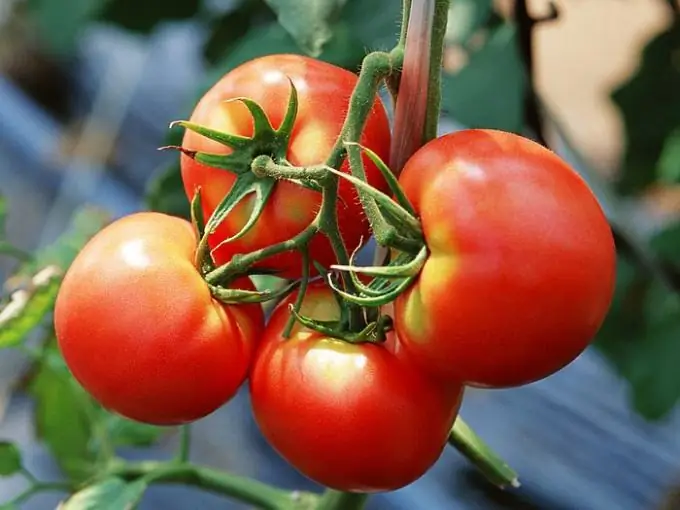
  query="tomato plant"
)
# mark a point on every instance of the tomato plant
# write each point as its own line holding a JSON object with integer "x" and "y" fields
{"x": 139, "y": 329}
{"x": 521, "y": 266}
{"x": 353, "y": 417}
{"x": 323, "y": 91}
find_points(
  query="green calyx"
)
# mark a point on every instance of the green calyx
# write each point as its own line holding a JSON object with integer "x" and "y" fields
{"x": 266, "y": 141}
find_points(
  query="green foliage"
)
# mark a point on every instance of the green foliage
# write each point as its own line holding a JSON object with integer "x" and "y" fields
{"x": 640, "y": 335}
{"x": 465, "y": 18}
{"x": 10, "y": 459}
{"x": 165, "y": 192}
{"x": 308, "y": 21}
{"x": 63, "y": 416}
{"x": 37, "y": 281}
{"x": 60, "y": 28}
{"x": 651, "y": 113}
{"x": 26, "y": 308}
{"x": 109, "y": 494}
{"x": 669, "y": 162}
{"x": 488, "y": 91}
{"x": 144, "y": 17}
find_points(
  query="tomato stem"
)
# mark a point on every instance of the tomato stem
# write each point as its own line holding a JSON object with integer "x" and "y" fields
{"x": 434, "y": 91}
{"x": 470, "y": 445}
{"x": 184, "y": 443}
{"x": 336, "y": 500}
{"x": 243, "y": 489}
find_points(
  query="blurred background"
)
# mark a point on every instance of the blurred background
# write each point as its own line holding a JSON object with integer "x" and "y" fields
{"x": 88, "y": 88}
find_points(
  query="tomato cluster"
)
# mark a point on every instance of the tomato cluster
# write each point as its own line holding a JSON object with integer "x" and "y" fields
{"x": 518, "y": 277}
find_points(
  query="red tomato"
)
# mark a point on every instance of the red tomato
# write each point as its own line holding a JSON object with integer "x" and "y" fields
{"x": 522, "y": 260}
{"x": 323, "y": 94}
{"x": 140, "y": 331}
{"x": 353, "y": 417}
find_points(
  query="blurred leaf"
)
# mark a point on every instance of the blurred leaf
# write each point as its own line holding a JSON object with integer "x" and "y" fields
{"x": 641, "y": 334}
{"x": 374, "y": 24}
{"x": 309, "y": 22}
{"x": 10, "y": 459}
{"x": 233, "y": 25}
{"x": 669, "y": 161}
{"x": 361, "y": 26}
{"x": 650, "y": 108}
{"x": 269, "y": 39}
{"x": 110, "y": 494}
{"x": 36, "y": 284}
{"x": 489, "y": 90}
{"x": 62, "y": 415}
{"x": 27, "y": 307}
{"x": 144, "y": 17}
{"x": 465, "y": 18}
{"x": 60, "y": 27}
{"x": 124, "y": 432}
{"x": 165, "y": 192}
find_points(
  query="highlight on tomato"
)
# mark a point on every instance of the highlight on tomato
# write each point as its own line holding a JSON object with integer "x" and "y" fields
{"x": 323, "y": 92}
{"x": 353, "y": 417}
{"x": 140, "y": 331}
{"x": 521, "y": 265}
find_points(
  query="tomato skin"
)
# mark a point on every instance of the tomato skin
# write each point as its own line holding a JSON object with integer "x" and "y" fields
{"x": 323, "y": 94}
{"x": 140, "y": 331}
{"x": 522, "y": 260}
{"x": 353, "y": 417}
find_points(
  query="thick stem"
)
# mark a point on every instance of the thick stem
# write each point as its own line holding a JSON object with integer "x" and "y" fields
{"x": 471, "y": 446}
{"x": 241, "y": 488}
{"x": 335, "y": 500}
{"x": 434, "y": 92}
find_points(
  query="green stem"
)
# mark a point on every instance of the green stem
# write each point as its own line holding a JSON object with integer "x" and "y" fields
{"x": 434, "y": 91}
{"x": 241, "y": 263}
{"x": 335, "y": 500}
{"x": 471, "y": 446}
{"x": 241, "y": 488}
{"x": 184, "y": 443}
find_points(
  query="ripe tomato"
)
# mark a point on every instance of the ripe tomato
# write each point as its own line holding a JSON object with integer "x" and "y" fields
{"x": 353, "y": 417}
{"x": 323, "y": 95}
{"x": 140, "y": 331}
{"x": 522, "y": 260}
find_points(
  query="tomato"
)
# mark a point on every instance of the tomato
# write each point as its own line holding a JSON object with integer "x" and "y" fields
{"x": 353, "y": 417}
{"x": 323, "y": 94}
{"x": 521, "y": 264}
{"x": 140, "y": 331}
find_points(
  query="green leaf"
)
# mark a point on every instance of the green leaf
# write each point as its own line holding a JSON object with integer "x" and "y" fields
{"x": 144, "y": 17}
{"x": 62, "y": 415}
{"x": 60, "y": 28}
{"x": 640, "y": 336}
{"x": 27, "y": 307}
{"x": 465, "y": 18}
{"x": 669, "y": 162}
{"x": 488, "y": 92}
{"x": 374, "y": 24}
{"x": 10, "y": 459}
{"x": 110, "y": 494}
{"x": 165, "y": 192}
{"x": 309, "y": 22}
{"x": 650, "y": 108}
{"x": 36, "y": 283}
{"x": 344, "y": 50}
